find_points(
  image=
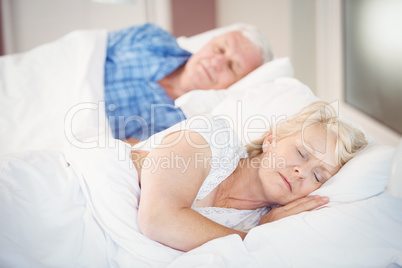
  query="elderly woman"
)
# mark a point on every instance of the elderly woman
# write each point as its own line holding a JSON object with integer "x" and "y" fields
{"x": 214, "y": 187}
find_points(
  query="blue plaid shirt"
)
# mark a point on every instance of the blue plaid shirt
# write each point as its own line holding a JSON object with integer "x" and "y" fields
{"x": 136, "y": 59}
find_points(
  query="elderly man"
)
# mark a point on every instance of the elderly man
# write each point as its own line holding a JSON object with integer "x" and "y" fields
{"x": 146, "y": 70}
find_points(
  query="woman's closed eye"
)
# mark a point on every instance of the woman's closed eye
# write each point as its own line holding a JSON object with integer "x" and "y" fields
{"x": 316, "y": 176}
{"x": 303, "y": 155}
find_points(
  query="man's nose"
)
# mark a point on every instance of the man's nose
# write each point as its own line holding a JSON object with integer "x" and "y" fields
{"x": 219, "y": 61}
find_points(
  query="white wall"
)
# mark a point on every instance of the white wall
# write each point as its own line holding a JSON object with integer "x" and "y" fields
{"x": 28, "y": 23}
{"x": 289, "y": 25}
{"x": 271, "y": 17}
{"x": 303, "y": 41}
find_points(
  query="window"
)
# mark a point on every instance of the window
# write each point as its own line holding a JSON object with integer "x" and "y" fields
{"x": 373, "y": 58}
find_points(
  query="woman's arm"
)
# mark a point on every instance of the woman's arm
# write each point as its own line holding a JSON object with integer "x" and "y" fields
{"x": 171, "y": 179}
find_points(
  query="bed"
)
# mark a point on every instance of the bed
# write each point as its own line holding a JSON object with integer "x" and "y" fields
{"x": 68, "y": 197}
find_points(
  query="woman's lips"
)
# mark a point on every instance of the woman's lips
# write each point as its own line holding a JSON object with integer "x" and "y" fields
{"x": 286, "y": 182}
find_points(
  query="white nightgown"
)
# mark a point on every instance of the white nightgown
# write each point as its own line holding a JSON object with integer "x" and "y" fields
{"x": 226, "y": 153}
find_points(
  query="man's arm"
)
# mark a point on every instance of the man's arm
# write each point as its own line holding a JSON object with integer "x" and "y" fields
{"x": 171, "y": 179}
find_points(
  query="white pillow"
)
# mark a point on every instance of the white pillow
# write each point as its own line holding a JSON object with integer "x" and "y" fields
{"x": 253, "y": 110}
{"x": 190, "y": 102}
{"x": 268, "y": 72}
{"x": 364, "y": 176}
{"x": 200, "y": 101}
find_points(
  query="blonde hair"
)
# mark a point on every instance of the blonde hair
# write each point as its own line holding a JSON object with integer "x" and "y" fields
{"x": 350, "y": 140}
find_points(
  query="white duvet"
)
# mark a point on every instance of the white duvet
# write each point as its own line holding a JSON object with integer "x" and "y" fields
{"x": 69, "y": 198}
{"x": 52, "y": 96}
{"x": 45, "y": 220}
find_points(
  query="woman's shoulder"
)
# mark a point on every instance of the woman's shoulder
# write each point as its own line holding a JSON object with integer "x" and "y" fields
{"x": 217, "y": 130}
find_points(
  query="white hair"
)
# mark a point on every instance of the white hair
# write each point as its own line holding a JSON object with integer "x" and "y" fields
{"x": 194, "y": 43}
{"x": 257, "y": 38}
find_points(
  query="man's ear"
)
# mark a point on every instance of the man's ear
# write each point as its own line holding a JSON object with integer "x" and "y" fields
{"x": 267, "y": 142}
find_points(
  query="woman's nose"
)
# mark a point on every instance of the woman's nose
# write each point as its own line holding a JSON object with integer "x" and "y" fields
{"x": 301, "y": 171}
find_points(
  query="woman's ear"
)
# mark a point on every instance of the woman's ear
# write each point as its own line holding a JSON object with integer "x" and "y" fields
{"x": 267, "y": 142}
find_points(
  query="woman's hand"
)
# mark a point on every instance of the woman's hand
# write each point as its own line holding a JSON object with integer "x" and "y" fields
{"x": 299, "y": 205}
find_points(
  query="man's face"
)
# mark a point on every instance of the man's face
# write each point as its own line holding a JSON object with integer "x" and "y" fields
{"x": 221, "y": 62}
